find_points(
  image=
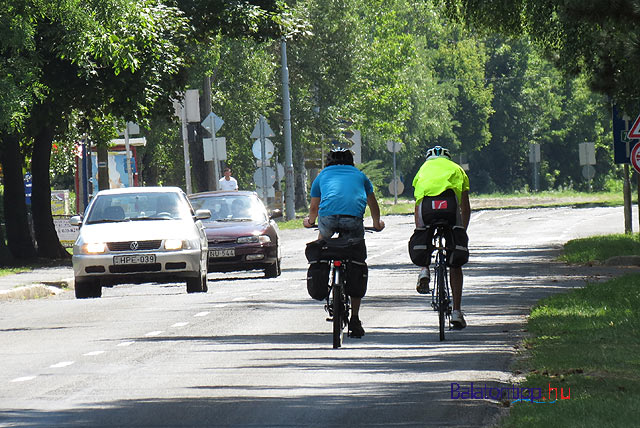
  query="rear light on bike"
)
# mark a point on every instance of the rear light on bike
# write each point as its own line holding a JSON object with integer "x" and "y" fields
{"x": 337, "y": 263}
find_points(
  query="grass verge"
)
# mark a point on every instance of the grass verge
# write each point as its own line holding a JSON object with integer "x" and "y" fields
{"x": 600, "y": 248}
{"x": 586, "y": 344}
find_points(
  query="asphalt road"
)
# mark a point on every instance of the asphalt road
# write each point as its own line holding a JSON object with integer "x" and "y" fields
{"x": 255, "y": 352}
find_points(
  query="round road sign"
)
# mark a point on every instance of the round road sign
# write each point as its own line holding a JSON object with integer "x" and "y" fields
{"x": 257, "y": 149}
{"x": 635, "y": 157}
{"x": 397, "y": 186}
{"x": 588, "y": 172}
{"x": 271, "y": 176}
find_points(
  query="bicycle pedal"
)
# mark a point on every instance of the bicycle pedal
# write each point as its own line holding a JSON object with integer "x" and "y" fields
{"x": 329, "y": 320}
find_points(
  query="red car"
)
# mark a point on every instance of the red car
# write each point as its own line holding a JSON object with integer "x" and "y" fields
{"x": 242, "y": 235}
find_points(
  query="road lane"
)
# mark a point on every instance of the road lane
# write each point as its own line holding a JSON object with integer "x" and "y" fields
{"x": 257, "y": 352}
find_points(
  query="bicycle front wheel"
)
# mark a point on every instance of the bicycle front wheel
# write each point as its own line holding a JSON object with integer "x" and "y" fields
{"x": 338, "y": 315}
{"x": 442, "y": 299}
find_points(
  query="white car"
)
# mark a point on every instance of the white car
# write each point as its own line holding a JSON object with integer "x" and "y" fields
{"x": 137, "y": 235}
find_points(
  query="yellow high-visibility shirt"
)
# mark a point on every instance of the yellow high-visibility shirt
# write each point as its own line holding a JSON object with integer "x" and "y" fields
{"x": 437, "y": 175}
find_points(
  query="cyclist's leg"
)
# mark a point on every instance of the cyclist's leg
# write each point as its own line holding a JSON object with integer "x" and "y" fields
{"x": 456, "y": 279}
{"x": 351, "y": 227}
{"x": 327, "y": 226}
{"x": 422, "y": 286}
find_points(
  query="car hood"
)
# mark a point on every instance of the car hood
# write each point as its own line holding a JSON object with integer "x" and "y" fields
{"x": 138, "y": 231}
{"x": 234, "y": 229}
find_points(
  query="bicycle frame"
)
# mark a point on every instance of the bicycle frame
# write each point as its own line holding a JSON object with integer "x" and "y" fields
{"x": 338, "y": 302}
{"x": 440, "y": 295}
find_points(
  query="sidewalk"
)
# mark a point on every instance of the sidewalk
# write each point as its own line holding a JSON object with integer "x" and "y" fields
{"x": 36, "y": 283}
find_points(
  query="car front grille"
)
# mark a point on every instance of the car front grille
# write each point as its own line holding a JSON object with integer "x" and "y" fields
{"x": 134, "y": 245}
{"x": 221, "y": 240}
{"x": 225, "y": 259}
{"x": 149, "y": 267}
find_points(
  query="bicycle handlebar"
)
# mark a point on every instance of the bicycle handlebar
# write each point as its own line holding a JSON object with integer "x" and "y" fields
{"x": 366, "y": 228}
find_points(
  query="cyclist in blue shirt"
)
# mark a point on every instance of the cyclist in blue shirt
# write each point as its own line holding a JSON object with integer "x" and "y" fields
{"x": 339, "y": 196}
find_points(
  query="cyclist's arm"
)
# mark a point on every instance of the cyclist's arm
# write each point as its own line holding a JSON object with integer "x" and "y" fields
{"x": 313, "y": 212}
{"x": 375, "y": 211}
{"x": 465, "y": 208}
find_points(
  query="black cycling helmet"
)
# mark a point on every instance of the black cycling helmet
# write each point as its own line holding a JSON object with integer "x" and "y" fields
{"x": 438, "y": 151}
{"x": 339, "y": 156}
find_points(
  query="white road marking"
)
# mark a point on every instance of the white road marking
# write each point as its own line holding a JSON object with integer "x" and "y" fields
{"x": 125, "y": 343}
{"x": 239, "y": 299}
{"x": 201, "y": 314}
{"x": 220, "y": 305}
{"x": 61, "y": 364}
{"x": 92, "y": 353}
{"x": 23, "y": 379}
{"x": 154, "y": 333}
{"x": 180, "y": 324}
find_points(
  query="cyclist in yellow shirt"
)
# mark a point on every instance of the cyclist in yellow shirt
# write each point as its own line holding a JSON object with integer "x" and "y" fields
{"x": 437, "y": 175}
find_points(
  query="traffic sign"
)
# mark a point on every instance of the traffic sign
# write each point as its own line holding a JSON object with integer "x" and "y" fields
{"x": 262, "y": 129}
{"x": 212, "y": 123}
{"x": 588, "y": 171}
{"x": 394, "y": 146}
{"x": 587, "y": 153}
{"x": 271, "y": 176}
{"x": 221, "y": 146}
{"x": 396, "y": 187}
{"x": 635, "y": 157}
{"x": 269, "y": 192}
{"x": 621, "y": 143}
{"x": 634, "y": 132}
{"x": 257, "y": 149}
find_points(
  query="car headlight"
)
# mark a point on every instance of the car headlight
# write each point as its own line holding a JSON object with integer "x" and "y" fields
{"x": 262, "y": 239}
{"x": 94, "y": 248}
{"x": 174, "y": 244}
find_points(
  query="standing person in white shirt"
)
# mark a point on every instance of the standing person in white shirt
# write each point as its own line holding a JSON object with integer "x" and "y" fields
{"x": 228, "y": 182}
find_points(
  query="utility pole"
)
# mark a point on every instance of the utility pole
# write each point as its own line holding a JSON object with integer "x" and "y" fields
{"x": 212, "y": 178}
{"x": 290, "y": 209}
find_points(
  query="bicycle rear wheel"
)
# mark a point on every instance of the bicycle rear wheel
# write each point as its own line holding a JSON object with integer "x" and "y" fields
{"x": 338, "y": 315}
{"x": 442, "y": 299}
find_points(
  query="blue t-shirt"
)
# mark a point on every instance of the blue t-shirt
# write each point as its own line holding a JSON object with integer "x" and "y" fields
{"x": 342, "y": 190}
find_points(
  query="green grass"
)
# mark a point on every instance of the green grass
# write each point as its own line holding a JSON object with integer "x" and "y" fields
{"x": 12, "y": 270}
{"x": 600, "y": 248}
{"x": 587, "y": 342}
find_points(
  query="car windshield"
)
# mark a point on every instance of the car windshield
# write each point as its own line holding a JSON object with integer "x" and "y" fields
{"x": 231, "y": 207}
{"x": 138, "y": 207}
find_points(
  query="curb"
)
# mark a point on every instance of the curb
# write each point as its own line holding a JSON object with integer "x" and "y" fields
{"x": 35, "y": 291}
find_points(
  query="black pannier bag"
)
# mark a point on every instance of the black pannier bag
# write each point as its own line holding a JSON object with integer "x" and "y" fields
{"x": 318, "y": 280}
{"x": 336, "y": 249}
{"x": 321, "y": 251}
{"x": 357, "y": 276}
{"x": 421, "y": 246}
{"x": 441, "y": 207}
{"x": 457, "y": 247}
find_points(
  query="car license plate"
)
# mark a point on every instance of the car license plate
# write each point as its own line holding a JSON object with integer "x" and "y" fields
{"x": 134, "y": 259}
{"x": 222, "y": 252}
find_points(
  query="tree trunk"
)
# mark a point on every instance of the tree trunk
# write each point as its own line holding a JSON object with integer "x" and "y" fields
{"x": 46, "y": 236}
{"x": 16, "y": 221}
{"x": 103, "y": 167}
{"x": 198, "y": 168}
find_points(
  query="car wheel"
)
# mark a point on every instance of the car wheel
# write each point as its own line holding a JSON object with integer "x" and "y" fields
{"x": 197, "y": 285}
{"x": 205, "y": 287}
{"x": 87, "y": 288}
{"x": 273, "y": 271}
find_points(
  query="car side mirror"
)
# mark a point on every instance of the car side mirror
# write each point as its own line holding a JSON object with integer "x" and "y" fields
{"x": 275, "y": 214}
{"x": 203, "y": 214}
{"x": 76, "y": 220}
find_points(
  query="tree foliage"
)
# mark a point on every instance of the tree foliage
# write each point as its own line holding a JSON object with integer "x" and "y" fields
{"x": 595, "y": 38}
